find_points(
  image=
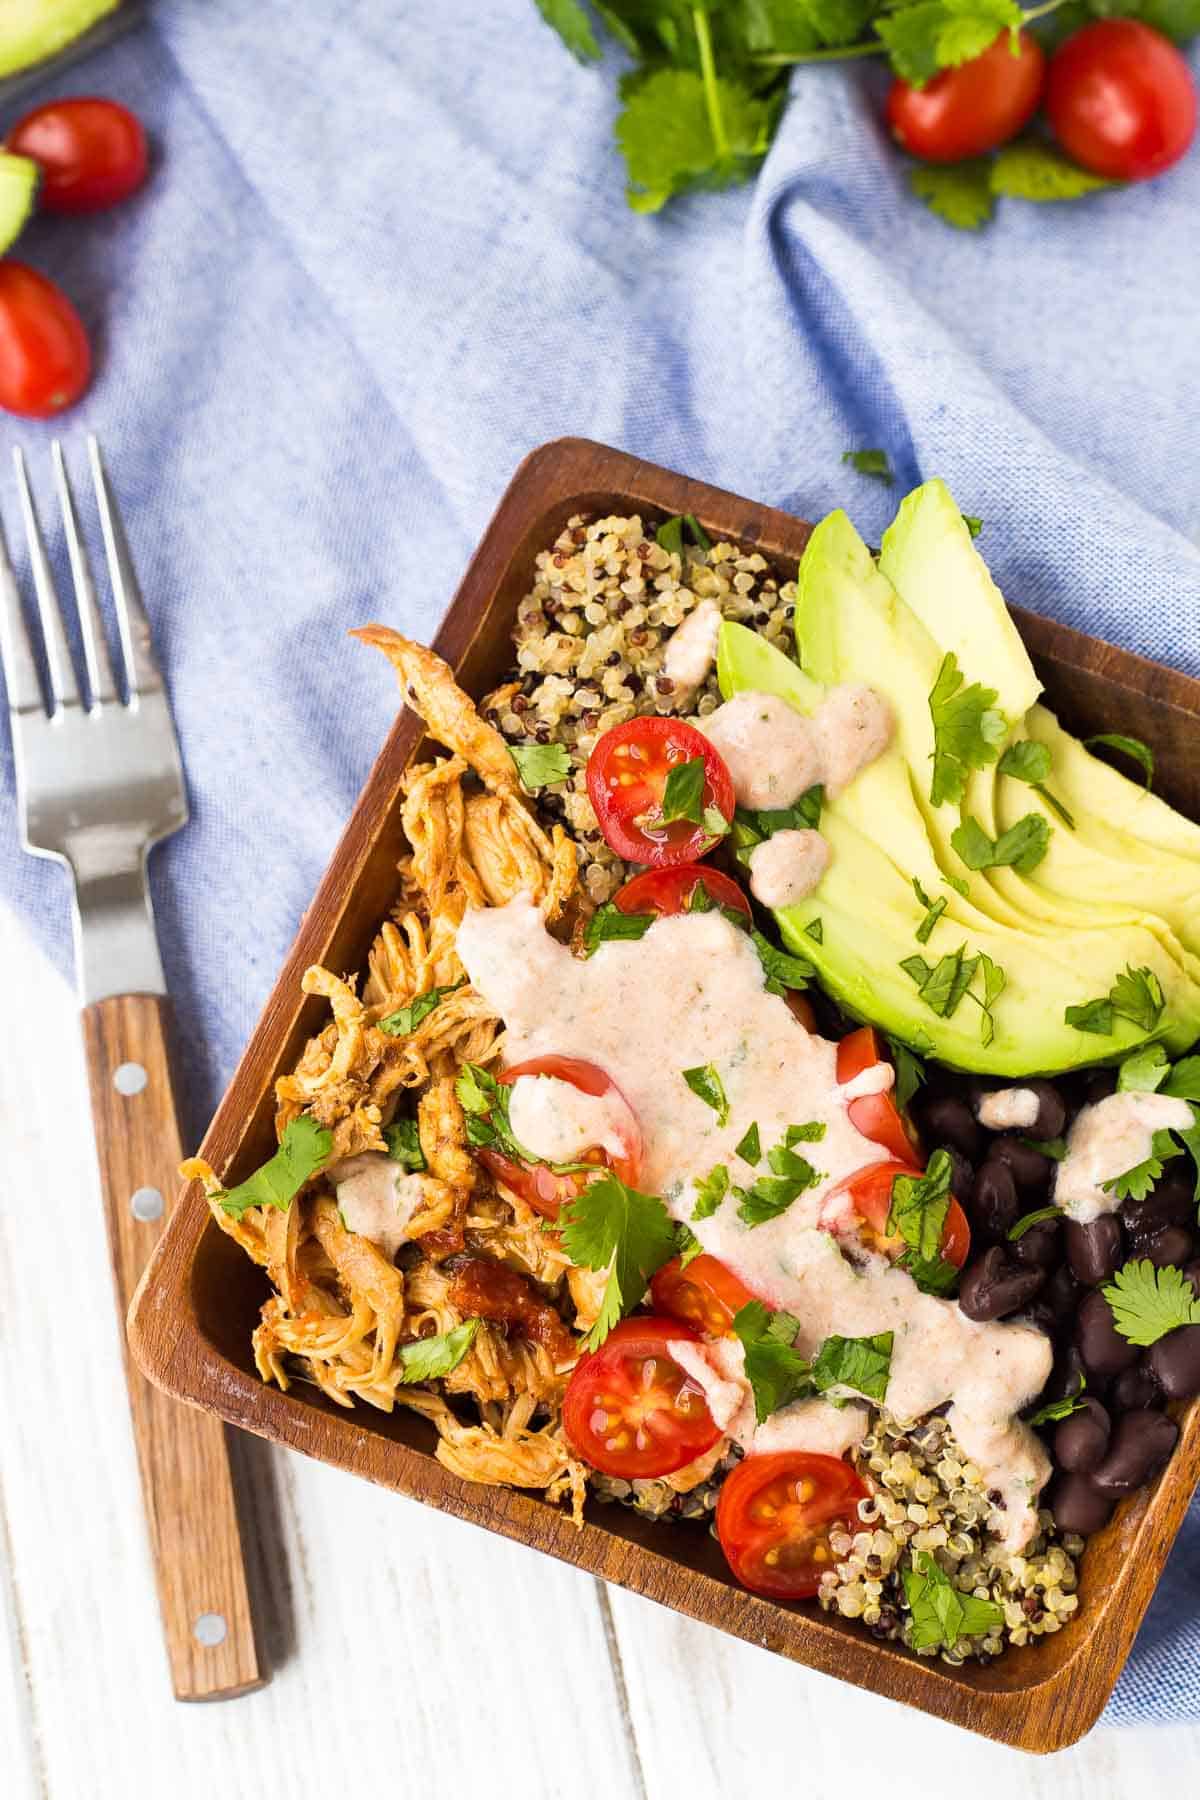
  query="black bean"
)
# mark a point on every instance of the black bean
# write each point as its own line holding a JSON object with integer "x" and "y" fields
{"x": 994, "y": 1206}
{"x": 1096, "y": 1250}
{"x": 1192, "y": 1273}
{"x": 1030, "y": 1169}
{"x": 948, "y": 1121}
{"x": 962, "y": 1175}
{"x": 1103, "y": 1349}
{"x": 1081, "y": 1440}
{"x": 1063, "y": 1292}
{"x": 1171, "y": 1247}
{"x": 1141, "y": 1444}
{"x": 994, "y": 1286}
{"x": 1067, "y": 1377}
{"x": 1169, "y": 1202}
{"x": 1078, "y": 1506}
{"x": 1175, "y": 1362}
{"x": 1051, "y": 1119}
{"x": 1041, "y": 1317}
{"x": 1039, "y": 1245}
{"x": 1100, "y": 1084}
{"x": 1135, "y": 1389}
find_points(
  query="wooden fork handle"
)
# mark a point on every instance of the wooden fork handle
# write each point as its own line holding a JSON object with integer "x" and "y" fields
{"x": 186, "y": 1483}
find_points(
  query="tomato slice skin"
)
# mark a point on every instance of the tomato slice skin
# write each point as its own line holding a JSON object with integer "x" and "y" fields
{"x": 876, "y": 1115}
{"x": 538, "y": 1184}
{"x": 1121, "y": 100}
{"x": 91, "y": 152}
{"x": 630, "y": 1410}
{"x": 45, "y": 358}
{"x": 965, "y": 111}
{"x": 626, "y": 776}
{"x": 862, "y": 1201}
{"x": 669, "y": 891}
{"x": 705, "y": 1295}
{"x": 774, "y": 1517}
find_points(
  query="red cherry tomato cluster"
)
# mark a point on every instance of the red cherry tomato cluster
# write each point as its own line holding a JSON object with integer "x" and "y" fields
{"x": 91, "y": 154}
{"x": 1118, "y": 96}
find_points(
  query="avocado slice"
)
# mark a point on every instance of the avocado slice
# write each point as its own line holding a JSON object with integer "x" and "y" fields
{"x": 18, "y": 190}
{"x": 31, "y": 31}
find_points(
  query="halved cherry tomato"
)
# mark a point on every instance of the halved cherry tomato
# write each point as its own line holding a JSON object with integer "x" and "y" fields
{"x": 706, "y": 1294}
{"x": 801, "y": 1009}
{"x": 626, "y": 779}
{"x": 775, "y": 1515}
{"x": 538, "y": 1184}
{"x": 91, "y": 152}
{"x": 1121, "y": 100}
{"x": 631, "y": 1410}
{"x": 876, "y": 1115}
{"x": 45, "y": 358}
{"x": 669, "y": 891}
{"x": 862, "y": 1201}
{"x": 965, "y": 111}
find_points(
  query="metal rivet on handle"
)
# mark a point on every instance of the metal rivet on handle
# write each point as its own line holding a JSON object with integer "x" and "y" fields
{"x": 210, "y": 1630}
{"x": 146, "y": 1203}
{"x": 130, "y": 1078}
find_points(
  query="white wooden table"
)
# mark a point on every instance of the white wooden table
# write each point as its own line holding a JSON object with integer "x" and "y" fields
{"x": 411, "y": 1652}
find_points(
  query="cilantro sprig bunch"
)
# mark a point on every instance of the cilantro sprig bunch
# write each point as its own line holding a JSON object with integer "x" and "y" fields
{"x": 707, "y": 83}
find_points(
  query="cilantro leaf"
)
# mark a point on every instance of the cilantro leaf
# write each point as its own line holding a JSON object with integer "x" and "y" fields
{"x": 940, "y": 1614}
{"x": 1031, "y": 170}
{"x": 540, "y": 765}
{"x": 1143, "y": 1072}
{"x": 1137, "y": 995}
{"x": 1029, "y": 1219}
{"x": 919, "y": 1207}
{"x": 781, "y": 970}
{"x": 751, "y": 826}
{"x": 678, "y": 131}
{"x": 1147, "y": 1302}
{"x": 1176, "y": 19}
{"x": 707, "y": 1085}
{"x": 486, "y": 1102}
{"x": 777, "y": 1373}
{"x": 609, "y": 923}
{"x": 611, "y": 1226}
{"x": 669, "y": 535}
{"x": 428, "y": 1358}
{"x": 871, "y": 462}
{"x": 303, "y": 1148}
{"x": 812, "y": 1133}
{"x": 403, "y": 1142}
{"x": 1128, "y": 746}
{"x": 1190, "y": 1139}
{"x": 573, "y": 26}
{"x": 967, "y": 729}
{"x": 710, "y": 1192}
{"x": 1055, "y": 1148}
{"x": 1135, "y": 1183}
{"x": 860, "y": 1364}
{"x": 1059, "y": 1409}
{"x": 1021, "y": 847}
{"x": 910, "y": 1072}
{"x": 1026, "y": 760}
{"x": 687, "y": 1244}
{"x": 683, "y": 793}
{"x": 960, "y": 195}
{"x": 1183, "y": 1083}
{"x": 750, "y": 1147}
{"x": 973, "y": 524}
{"x": 771, "y": 1195}
{"x": 404, "y": 1022}
{"x": 1096, "y": 1016}
{"x": 941, "y": 985}
{"x": 934, "y": 911}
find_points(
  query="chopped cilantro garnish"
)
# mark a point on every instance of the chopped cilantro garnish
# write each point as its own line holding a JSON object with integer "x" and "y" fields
{"x": 812, "y": 1133}
{"x": 403, "y": 1142}
{"x": 750, "y": 827}
{"x": 1054, "y": 1410}
{"x": 1029, "y": 761}
{"x": 1021, "y": 847}
{"x": 1147, "y": 1302}
{"x": 609, "y": 922}
{"x": 1028, "y": 1220}
{"x": 1144, "y": 1071}
{"x": 1096, "y": 1016}
{"x": 1054, "y": 1148}
{"x": 1183, "y": 1083}
{"x": 611, "y": 1226}
{"x": 1135, "y": 1183}
{"x": 405, "y": 1020}
{"x": 540, "y": 765}
{"x": 750, "y": 1147}
{"x": 771, "y": 1195}
{"x": 687, "y": 1244}
{"x": 706, "y": 1084}
{"x": 427, "y": 1358}
{"x": 684, "y": 791}
{"x": 941, "y": 985}
{"x": 940, "y": 1613}
{"x": 861, "y": 1365}
{"x": 710, "y": 1192}
{"x": 777, "y": 1373}
{"x": 669, "y": 535}
{"x": 781, "y": 970}
{"x": 303, "y": 1148}
{"x": 918, "y": 1212}
{"x": 910, "y": 1072}
{"x": 871, "y": 462}
{"x": 1136, "y": 995}
{"x": 933, "y": 911}
{"x": 1128, "y": 746}
{"x": 967, "y": 730}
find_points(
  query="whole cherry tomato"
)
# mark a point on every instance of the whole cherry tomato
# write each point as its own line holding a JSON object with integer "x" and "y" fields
{"x": 91, "y": 152}
{"x": 965, "y": 111}
{"x": 1121, "y": 100}
{"x": 45, "y": 360}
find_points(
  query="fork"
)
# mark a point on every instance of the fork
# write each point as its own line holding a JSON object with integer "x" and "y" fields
{"x": 99, "y": 780}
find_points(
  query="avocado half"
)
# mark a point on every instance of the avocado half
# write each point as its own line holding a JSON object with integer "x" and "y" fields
{"x": 1056, "y": 949}
{"x": 31, "y": 31}
{"x": 18, "y": 191}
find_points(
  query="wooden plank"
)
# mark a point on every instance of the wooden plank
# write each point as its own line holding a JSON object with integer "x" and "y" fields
{"x": 408, "y": 1649}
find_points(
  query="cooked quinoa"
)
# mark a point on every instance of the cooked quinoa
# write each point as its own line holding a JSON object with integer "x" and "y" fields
{"x": 590, "y": 638}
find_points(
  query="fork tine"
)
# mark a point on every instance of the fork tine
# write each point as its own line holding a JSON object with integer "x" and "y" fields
{"x": 141, "y": 670}
{"x": 16, "y": 651}
{"x": 64, "y": 689}
{"x": 95, "y": 645}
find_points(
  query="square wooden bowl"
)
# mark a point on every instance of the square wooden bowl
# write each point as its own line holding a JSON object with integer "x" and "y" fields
{"x": 191, "y": 1320}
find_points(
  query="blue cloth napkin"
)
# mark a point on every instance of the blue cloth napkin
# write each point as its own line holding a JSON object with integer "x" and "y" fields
{"x": 385, "y": 252}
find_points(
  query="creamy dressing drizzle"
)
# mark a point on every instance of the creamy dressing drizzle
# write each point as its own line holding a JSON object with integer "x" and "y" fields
{"x": 377, "y": 1198}
{"x": 786, "y": 867}
{"x": 775, "y": 753}
{"x": 718, "y": 1368}
{"x": 1008, "y": 1109}
{"x": 692, "y": 650}
{"x": 691, "y": 992}
{"x": 559, "y": 1122}
{"x": 1106, "y": 1139}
